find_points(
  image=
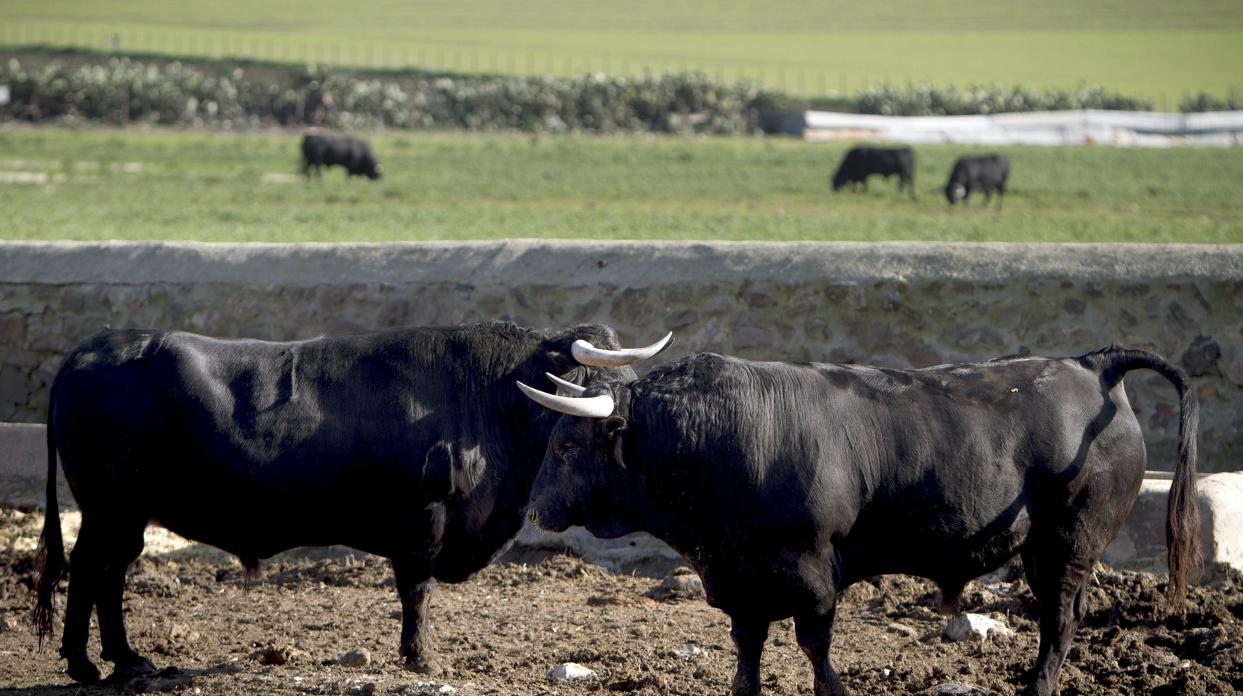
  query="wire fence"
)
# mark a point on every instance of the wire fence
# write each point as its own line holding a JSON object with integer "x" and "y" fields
{"x": 791, "y": 79}
{"x": 391, "y": 54}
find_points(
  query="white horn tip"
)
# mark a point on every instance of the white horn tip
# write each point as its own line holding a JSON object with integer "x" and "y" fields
{"x": 588, "y": 354}
{"x": 572, "y": 388}
{"x": 585, "y": 407}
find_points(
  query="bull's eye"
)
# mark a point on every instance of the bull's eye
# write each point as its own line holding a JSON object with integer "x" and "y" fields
{"x": 566, "y": 449}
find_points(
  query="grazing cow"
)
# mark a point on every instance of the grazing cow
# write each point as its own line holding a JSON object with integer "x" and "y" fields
{"x": 409, "y": 444}
{"x": 986, "y": 173}
{"x": 862, "y": 162}
{"x": 327, "y": 149}
{"x": 784, "y": 483}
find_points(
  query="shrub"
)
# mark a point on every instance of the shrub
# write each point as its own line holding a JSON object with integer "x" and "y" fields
{"x": 123, "y": 90}
{"x": 931, "y": 100}
{"x": 1207, "y": 102}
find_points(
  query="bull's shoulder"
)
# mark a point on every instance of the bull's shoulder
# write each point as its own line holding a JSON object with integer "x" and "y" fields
{"x": 679, "y": 374}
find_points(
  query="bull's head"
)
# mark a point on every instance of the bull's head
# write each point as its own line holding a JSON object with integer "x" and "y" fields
{"x": 583, "y": 464}
{"x": 955, "y": 192}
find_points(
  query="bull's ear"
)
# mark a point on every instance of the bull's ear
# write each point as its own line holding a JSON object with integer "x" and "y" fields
{"x": 561, "y": 361}
{"x": 615, "y": 425}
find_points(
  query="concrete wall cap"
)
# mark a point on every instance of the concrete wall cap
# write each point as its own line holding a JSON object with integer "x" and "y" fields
{"x": 633, "y": 264}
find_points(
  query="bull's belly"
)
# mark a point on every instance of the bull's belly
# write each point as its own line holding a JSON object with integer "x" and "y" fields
{"x": 265, "y": 531}
{"x": 770, "y": 582}
{"x": 949, "y": 557}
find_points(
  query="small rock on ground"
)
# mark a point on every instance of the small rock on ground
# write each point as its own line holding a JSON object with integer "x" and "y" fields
{"x": 569, "y": 671}
{"x": 973, "y": 627}
{"x": 359, "y": 657}
{"x": 951, "y": 689}
{"x": 682, "y": 584}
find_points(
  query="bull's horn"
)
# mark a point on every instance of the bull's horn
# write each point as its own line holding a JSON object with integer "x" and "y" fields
{"x": 588, "y": 407}
{"x": 570, "y": 387}
{"x": 592, "y": 356}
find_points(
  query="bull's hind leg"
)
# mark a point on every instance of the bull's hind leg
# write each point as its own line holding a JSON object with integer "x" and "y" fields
{"x": 814, "y": 633}
{"x": 125, "y": 545}
{"x": 415, "y": 586}
{"x": 97, "y": 568}
{"x": 1058, "y": 580}
{"x": 84, "y": 577}
{"x": 749, "y": 635}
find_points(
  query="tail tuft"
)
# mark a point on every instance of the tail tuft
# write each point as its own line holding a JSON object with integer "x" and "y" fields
{"x": 50, "y": 564}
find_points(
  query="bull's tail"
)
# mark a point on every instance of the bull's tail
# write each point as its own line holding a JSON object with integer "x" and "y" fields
{"x": 50, "y": 562}
{"x": 1182, "y": 519}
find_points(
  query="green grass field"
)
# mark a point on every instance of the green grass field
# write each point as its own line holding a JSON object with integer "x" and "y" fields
{"x": 130, "y": 184}
{"x": 1159, "y": 50}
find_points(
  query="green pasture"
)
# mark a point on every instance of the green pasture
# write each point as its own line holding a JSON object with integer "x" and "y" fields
{"x": 1158, "y": 50}
{"x": 161, "y": 184}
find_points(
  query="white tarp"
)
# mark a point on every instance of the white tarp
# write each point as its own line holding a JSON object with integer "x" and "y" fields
{"x": 1124, "y": 128}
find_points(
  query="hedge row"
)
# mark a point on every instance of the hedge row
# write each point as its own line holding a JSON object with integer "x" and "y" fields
{"x": 1208, "y": 102}
{"x": 931, "y": 100}
{"x": 121, "y": 90}
{"x": 92, "y": 87}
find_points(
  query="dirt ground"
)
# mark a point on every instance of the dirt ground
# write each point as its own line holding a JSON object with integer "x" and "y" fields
{"x": 214, "y": 631}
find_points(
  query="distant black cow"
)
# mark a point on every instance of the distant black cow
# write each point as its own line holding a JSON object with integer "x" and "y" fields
{"x": 986, "y": 173}
{"x": 410, "y": 444}
{"x": 862, "y": 162}
{"x": 328, "y": 149}
{"x": 785, "y": 483}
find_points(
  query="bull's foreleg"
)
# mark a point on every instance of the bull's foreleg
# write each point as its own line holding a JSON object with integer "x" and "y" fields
{"x": 814, "y": 633}
{"x": 749, "y": 636}
{"x": 415, "y": 586}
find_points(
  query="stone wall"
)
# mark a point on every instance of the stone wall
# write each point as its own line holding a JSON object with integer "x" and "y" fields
{"x": 892, "y": 304}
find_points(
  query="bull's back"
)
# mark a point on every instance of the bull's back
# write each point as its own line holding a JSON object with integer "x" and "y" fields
{"x": 949, "y": 451}
{"x": 182, "y": 424}
{"x": 970, "y": 458}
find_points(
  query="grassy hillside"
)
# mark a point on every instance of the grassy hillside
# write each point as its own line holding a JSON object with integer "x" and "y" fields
{"x": 1152, "y": 49}
{"x": 113, "y": 184}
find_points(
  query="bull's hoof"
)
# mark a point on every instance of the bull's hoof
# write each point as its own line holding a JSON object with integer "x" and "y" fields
{"x": 83, "y": 671}
{"x": 132, "y": 667}
{"x": 429, "y": 666}
{"x": 744, "y": 687}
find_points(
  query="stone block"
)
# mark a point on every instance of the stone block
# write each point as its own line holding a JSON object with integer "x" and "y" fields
{"x": 639, "y": 552}
{"x": 12, "y": 329}
{"x": 976, "y": 627}
{"x": 23, "y": 468}
{"x": 1141, "y": 542}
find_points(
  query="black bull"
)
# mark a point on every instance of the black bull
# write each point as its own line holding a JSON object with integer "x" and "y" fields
{"x": 862, "y": 162}
{"x": 785, "y": 483}
{"x": 321, "y": 150}
{"x": 986, "y": 173}
{"x": 409, "y": 444}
